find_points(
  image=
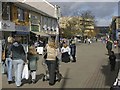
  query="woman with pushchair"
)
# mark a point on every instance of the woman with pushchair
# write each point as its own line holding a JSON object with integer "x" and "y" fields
{"x": 51, "y": 61}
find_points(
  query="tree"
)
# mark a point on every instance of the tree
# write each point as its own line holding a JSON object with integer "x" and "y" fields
{"x": 88, "y": 19}
{"x": 72, "y": 26}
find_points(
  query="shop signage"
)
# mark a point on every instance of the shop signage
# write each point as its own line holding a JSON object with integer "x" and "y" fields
{"x": 22, "y": 28}
{"x": 7, "y": 26}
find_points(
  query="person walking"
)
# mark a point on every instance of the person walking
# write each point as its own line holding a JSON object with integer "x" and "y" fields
{"x": 19, "y": 58}
{"x": 112, "y": 59}
{"x": 32, "y": 62}
{"x": 51, "y": 51}
{"x": 8, "y": 60}
{"x": 109, "y": 46}
{"x": 89, "y": 41}
{"x": 73, "y": 50}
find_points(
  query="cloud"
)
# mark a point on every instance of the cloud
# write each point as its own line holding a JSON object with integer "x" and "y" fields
{"x": 83, "y": 1}
{"x": 101, "y": 10}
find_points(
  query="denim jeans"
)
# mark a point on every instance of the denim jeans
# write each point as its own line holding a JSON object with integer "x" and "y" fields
{"x": 33, "y": 74}
{"x": 18, "y": 67}
{"x": 51, "y": 68}
{"x": 9, "y": 68}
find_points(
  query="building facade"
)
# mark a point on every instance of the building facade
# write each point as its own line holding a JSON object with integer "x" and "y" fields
{"x": 115, "y": 27}
{"x": 21, "y": 18}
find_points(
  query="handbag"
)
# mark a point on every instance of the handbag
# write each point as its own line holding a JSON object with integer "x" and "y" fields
{"x": 71, "y": 58}
{"x": 25, "y": 73}
{"x": 3, "y": 55}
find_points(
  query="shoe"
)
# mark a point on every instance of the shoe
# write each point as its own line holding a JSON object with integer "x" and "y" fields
{"x": 51, "y": 84}
{"x": 30, "y": 82}
{"x": 74, "y": 61}
{"x": 33, "y": 81}
{"x": 20, "y": 85}
{"x": 10, "y": 82}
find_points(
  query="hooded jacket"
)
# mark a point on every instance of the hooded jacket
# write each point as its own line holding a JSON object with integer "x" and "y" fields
{"x": 18, "y": 51}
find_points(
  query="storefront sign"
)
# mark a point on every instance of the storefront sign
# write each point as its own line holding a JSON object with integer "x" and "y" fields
{"x": 7, "y": 26}
{"x": 21, "y": 28}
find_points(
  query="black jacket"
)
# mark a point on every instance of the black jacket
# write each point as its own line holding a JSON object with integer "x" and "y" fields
{"x": 112, "y": 59}
{"x": 18, "y": 51}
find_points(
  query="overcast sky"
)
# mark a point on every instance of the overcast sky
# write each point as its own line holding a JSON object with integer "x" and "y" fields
{"x": 103, "y": 11}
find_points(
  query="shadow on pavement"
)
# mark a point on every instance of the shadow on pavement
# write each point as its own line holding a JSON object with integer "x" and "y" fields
{"x": 110, "y": 76}
{"x": 39, "y": 77}
{"x": 65, "y": 79}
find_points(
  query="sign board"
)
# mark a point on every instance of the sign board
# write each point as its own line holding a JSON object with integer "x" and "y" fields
{"x": 7, "y": 26}
{"x": 21, "y": 28}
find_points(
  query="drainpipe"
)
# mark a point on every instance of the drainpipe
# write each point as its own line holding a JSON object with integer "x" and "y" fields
{"x": 0, "y": 44}
{"x": 57, "y": 15}
{"x": 0, "y": 31}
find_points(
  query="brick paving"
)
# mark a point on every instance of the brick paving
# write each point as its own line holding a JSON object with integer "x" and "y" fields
{"x": 91, "y": 70}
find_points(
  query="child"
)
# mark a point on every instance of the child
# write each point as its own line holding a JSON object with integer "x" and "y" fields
{"x": 112, "y": 59}
{"x": 32, "y": 58}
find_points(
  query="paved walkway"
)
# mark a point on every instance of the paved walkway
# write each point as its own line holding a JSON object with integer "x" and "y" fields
{"x": 91, "y": 70}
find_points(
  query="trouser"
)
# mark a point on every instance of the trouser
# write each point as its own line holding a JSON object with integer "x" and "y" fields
{"x": 9, "y": 68}
{"x": 33, "y": 74}
{"x": 112, "y": 67}
{"x": 18, "y": 68}
{"x": 109, "y": 51}
{"x": 52, "y": 69}
{"x": 74, "y": 58}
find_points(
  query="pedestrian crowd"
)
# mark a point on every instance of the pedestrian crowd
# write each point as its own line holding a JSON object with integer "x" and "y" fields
{"x": 18, "y": 62}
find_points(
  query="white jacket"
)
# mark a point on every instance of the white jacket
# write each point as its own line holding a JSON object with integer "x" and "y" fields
{"x": 67, "y": 49}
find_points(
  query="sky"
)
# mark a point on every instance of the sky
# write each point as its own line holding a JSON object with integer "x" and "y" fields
{"x": 103, "y": 10}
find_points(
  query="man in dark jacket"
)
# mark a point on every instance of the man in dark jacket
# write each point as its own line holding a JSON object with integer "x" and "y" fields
{"x": 109, "y": 46}
{"x": 112, "y": 59}
{"x": 19, "y": 57}
{"x": 73, "y": 50}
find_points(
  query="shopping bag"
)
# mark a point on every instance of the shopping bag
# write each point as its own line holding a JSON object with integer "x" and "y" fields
{"x": 4, "y": 68}
{"x": 25, "y": 73}
{"x": 71, "y": 58}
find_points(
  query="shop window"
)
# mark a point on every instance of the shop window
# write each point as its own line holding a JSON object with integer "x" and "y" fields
{"x": 118, "y": 25}
{"x": 20, "y": 14}
{"x": 35, "y": 28}
{"x": 5, "y": 11}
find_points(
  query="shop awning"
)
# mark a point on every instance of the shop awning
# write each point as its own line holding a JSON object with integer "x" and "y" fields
{"x": 40, "y": 33}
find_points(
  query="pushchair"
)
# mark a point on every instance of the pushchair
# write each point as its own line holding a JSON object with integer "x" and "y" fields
{"x": 58, "y": 75}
